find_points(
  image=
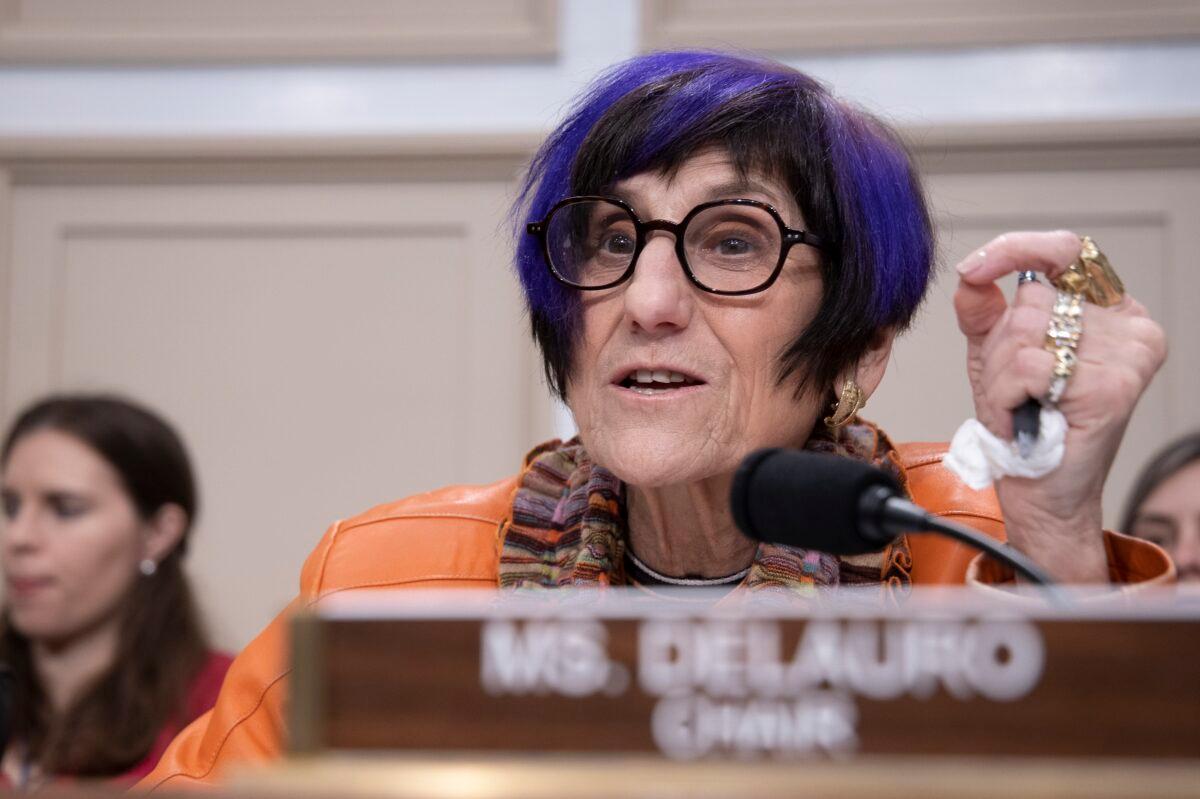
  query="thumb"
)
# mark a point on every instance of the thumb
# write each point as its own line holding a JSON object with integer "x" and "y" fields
{"x": 979, "y": 308}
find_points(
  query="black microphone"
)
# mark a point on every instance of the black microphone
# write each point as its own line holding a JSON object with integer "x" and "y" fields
{"x": 841, "y": 506}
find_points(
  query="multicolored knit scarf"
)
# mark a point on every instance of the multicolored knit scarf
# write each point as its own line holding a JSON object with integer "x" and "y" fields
{"x": 567, "y": 527}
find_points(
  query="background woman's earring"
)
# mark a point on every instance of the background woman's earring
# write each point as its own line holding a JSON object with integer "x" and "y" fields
{"x": 148, "y": 567}
{"x": 851, "y": 401}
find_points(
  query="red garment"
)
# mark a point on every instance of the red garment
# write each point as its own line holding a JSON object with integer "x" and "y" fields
{"x": 202, "y": 695}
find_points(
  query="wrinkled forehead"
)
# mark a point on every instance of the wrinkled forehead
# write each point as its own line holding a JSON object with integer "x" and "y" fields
{"x": 711, "y": 174}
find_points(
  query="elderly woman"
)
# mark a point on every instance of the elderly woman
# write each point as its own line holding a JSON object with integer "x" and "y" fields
{"x": 717, "y": 256}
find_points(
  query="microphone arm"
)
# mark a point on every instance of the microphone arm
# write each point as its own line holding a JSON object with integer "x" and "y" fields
{"x": 886, "y": 516}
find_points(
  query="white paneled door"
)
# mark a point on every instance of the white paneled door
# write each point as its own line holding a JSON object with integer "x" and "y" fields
{"x": 322, "y": 348}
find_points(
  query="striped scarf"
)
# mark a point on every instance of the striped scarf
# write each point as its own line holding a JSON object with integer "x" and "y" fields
{"x": 567, "y": 527}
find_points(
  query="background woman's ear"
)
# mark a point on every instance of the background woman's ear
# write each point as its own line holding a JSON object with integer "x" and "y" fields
{"x": 164, "y": 531}
{"x": 874, "y": 361}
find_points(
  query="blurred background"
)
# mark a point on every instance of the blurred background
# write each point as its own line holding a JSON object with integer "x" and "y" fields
{"x": 283, "y": 223}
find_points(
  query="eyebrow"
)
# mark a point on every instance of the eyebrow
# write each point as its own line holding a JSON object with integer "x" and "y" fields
{"x": 740, "y": 186}
{"x": 732, "y": 189}
{"x": 52, "y": 492}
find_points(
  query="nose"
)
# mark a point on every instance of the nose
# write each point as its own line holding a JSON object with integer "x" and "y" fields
{"x": 20, "y": 533}
{"x": 658, "y": 297}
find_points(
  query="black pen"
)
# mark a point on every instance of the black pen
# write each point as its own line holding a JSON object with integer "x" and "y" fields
{"x": 1025, "y": 425}
{"x": 1026, "y": 416}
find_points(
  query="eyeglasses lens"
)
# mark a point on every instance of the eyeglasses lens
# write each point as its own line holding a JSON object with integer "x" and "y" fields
{"x": 728, "y": 247}
{"x": 732, "y": 247}
{"x": 591, "y": 242}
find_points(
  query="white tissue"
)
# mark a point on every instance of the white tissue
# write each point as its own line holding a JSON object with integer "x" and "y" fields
{"x": 979, "y": 458}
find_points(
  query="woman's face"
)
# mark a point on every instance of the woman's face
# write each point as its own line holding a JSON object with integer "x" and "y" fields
{"x": 729, "y": 347}
{"x": 1170, "y": 517}
{"x": 71, "y": 538}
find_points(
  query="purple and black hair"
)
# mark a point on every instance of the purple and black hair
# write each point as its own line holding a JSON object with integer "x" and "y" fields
{"x": 849, "y": 174}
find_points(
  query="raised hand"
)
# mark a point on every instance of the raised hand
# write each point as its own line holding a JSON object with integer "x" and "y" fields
{"x": 1055, "y": 519}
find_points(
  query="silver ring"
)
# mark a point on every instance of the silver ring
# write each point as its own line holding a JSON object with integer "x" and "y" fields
{"x": 1026, "y": 276}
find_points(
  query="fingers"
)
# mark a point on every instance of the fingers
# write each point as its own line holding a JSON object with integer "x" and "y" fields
{"x": 1145, "y": 345}
{"x": 1118, "y": 355}
{"x": 1024, "y": 324}
{"x": 1048, "y": 252}
{"x": 1009, "y": 383}
{"x": 1094, "y": 394}
{"x": 1108, "y": 333}
{"x": 979, "y": 305}
{"x": 978, "y": 309}
{"x": 1119, "y": 350}
{"x": 978, "y": 302}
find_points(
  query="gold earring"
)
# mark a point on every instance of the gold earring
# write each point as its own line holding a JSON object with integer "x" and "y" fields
{"x": 851, "y": 401}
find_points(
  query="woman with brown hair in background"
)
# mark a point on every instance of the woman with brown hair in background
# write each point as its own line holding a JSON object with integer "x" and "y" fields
{"x": 107, "y": 652}
{"x": 1164, "y": 504}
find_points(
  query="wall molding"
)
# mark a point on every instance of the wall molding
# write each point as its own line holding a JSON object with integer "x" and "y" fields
{"x": 1120, "y": 143}
{"x": 6, "y": 252}
{"x": 133, "y": 31}
{"x": 468, "y": 157}
{"x": 959, "y": 153}
{"x": 1057, "y": 145}
{"x": 802, "y": 26}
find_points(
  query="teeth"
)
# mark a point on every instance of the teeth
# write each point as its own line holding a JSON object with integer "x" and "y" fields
{"x": 661, "y": 377}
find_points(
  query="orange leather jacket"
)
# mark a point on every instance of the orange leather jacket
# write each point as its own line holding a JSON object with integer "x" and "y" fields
{"x": 450, "y": 538}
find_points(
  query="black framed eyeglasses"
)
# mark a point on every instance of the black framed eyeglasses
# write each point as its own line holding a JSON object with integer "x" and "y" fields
{"x": 728, "y": 247}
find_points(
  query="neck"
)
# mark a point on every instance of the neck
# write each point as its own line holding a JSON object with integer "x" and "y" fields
{"x": 688, "y": 530}
{"x": 66, "y": 668}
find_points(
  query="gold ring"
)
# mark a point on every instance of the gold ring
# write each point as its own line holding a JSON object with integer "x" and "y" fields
{"x": 1062, "y": 340}
{"x": 1092, "y": 276}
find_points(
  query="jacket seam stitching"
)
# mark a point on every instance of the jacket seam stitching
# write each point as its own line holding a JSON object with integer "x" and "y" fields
{"x": 924, "y": 460}
{"x": 395, "y": 516}
{"x": 337, "y": 530}
{"x": 212, "y": 761}
{"x": 423, "y": 579}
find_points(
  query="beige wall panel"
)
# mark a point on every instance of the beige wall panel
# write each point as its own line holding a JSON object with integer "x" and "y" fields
{"x": 5, "y": 264}
{"x": 791, "y": 26}
{"x": 185, "y": 30}
{"x": 1147, "y": 222}
{"x": 326, "y": 346}
{"x": 322, "y": 349}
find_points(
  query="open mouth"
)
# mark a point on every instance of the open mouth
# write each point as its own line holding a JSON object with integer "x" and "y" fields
{"x": 657, "y": 381}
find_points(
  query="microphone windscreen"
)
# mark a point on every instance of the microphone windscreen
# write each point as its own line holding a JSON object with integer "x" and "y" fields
{"x": 805, "y": 499}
